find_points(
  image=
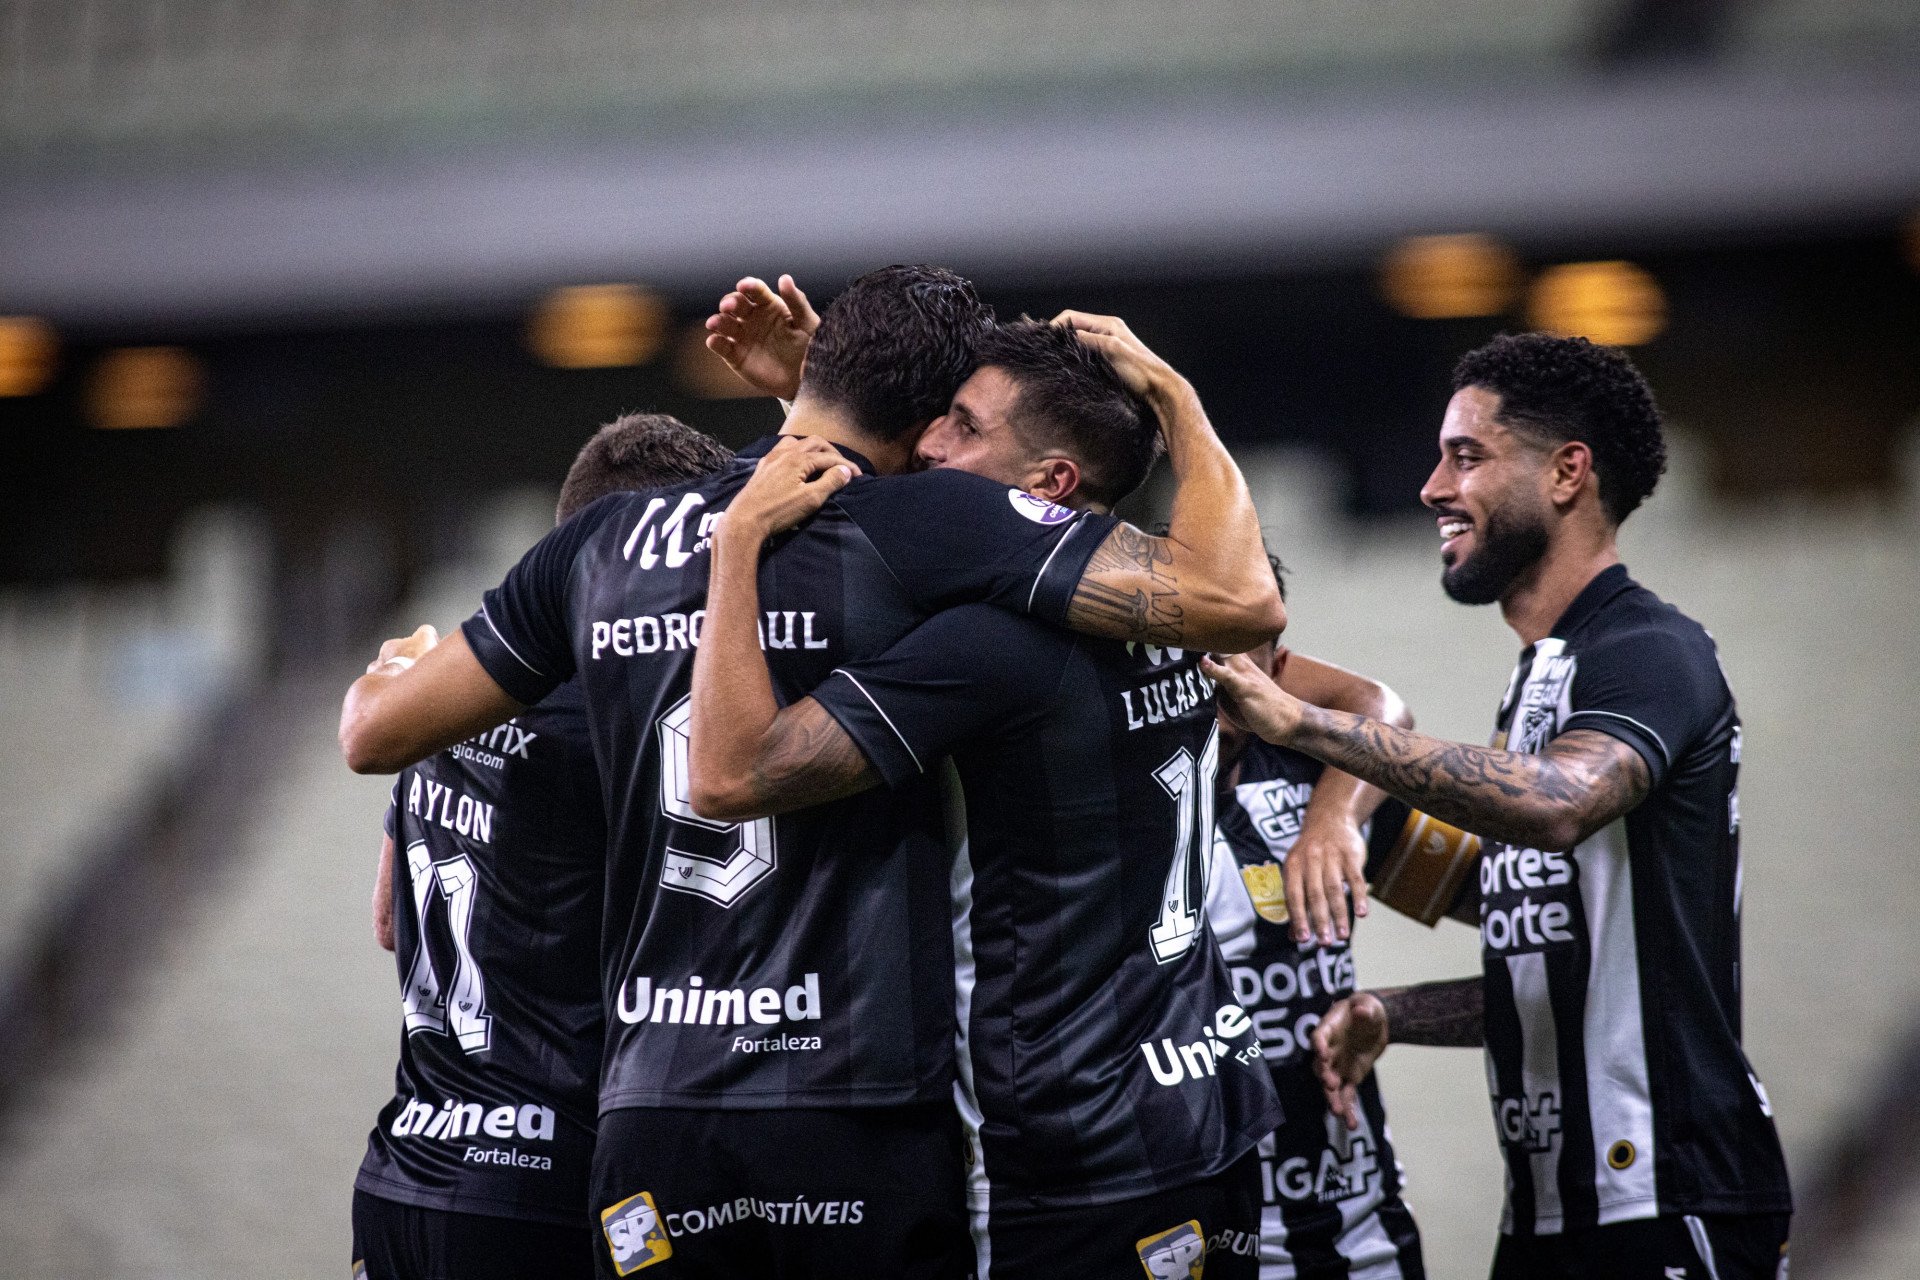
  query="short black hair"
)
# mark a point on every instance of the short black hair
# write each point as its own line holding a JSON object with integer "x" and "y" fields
{"x": 1565, "y": 389}
{"x": 639, "y": 451}
{"x": 1279, "y": 574}
{"x": 1071, "y": 398}
{"x": 894, "y": 346}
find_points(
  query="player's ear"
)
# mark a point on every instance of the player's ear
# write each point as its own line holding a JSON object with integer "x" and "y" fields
{"x": 1572, "y": 465}
{"x": 1056, "y": 480}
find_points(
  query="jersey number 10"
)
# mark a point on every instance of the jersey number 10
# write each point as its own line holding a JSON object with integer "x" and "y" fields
{"x": 749, "y": 855}
{"x": 1190, "y": 783}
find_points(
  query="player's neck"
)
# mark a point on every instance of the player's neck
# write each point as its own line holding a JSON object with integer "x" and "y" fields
{"x": 1542, "y": 595}
{"x": 811, "y": 418}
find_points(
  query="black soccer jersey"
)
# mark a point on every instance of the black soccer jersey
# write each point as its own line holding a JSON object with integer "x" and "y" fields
{"x": 1103, "y": 1055}
{"x": 499, "y": 857}
{"x": 1332, "y": 1195}
{"x": 804, "y": 960}
{"x": 1619, "y": 1087}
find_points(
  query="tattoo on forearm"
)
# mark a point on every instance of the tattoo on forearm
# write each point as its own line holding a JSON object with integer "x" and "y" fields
{"x": 808, "y": 759}
{"x": 1130, "y": 587}
{"x": 1438, "y": 1013}
{"x": 1504, "y": 795}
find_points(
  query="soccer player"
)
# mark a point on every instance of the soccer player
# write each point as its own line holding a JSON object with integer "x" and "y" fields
{"x": 776, "y": 1093}
{"x": 1332, "y": 1206}
{"x": 1638, "y": 1141}
{"x": 1112, "y": 1089}
{"x": 478, "y": 1166}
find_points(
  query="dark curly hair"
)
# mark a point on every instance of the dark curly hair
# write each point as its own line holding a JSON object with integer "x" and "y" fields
{"x": 639, "y": 451}
{"x": 1564, "y": 389}
{"x": 894, "y": 346}
{"x": 1070, "y": 399}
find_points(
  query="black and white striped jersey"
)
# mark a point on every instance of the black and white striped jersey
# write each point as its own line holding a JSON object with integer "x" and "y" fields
{"x": 1612, "y": 971}
{"x": 1103, "y": 1056}
{"x": 499, "y": 858}
{"x": 797, "y": 961}
{"x": 1332, "y": 1197}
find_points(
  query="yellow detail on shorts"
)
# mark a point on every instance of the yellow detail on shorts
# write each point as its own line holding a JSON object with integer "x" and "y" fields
{"x": 636, "y": 1235}
{"x": 1179, "y": 1253}
{"x": 1268, "y": 889}
{"x": 1621, "y": 1155}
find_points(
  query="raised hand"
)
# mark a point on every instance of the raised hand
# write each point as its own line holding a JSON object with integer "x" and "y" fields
{"x": 763, "y": 335}
{"x": 1346, "y": 1044}
{"x": 792, "y": 482}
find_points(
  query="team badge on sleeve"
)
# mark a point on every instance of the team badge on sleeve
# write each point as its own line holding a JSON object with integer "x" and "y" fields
{"x": 635, "y": 1234}
{"x": 1177, "y": 1254}
{"x": 1267, "y": 887}
{"x": 1038, "y": 510}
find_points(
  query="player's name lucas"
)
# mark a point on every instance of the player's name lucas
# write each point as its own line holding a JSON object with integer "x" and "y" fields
{"x": 1167, "y": 698}
{"x": 668, "y": 632}
{"x": 697, "y": 1004}
{"x": 454, "y": 1119}
{"x": 435, "y": 802}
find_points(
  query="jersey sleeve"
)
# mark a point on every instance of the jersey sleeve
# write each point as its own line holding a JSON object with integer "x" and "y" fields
{"x": 519, "y": 634}
{"x": 957, "y": 674}
{"x": 1654, "y": 689}
{"x": 391, "y": 825}
{"x": 1229, "y": 908}
{"x": 954, "y": 538}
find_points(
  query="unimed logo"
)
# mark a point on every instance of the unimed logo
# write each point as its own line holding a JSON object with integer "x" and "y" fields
{"x": 454, "y": 1119}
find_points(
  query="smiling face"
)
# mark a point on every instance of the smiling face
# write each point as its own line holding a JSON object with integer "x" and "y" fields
{"x": 1490, "y": 494}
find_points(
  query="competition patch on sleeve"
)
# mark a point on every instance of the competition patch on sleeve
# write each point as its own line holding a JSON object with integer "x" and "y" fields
{"x": 635, "y": 1234}
{"x": 1268, "y": 889}
{"x": 1176, "y": 1254}
{"x": 1038, "y": 510}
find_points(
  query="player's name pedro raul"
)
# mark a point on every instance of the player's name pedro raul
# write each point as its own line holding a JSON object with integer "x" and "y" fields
{"x": 651, "y": 633}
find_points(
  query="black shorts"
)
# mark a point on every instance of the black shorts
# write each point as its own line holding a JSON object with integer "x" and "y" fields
{"x": 394, "y": 1241}
{"x": 1690, "y": 1247}
{"x": 1214, "y": 1223}
{"x": 873, "y": 1191}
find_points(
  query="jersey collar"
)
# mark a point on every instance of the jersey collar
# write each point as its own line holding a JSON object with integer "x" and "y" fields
{"x": 759, "y": 448}
{"x": 1606, "y": 584}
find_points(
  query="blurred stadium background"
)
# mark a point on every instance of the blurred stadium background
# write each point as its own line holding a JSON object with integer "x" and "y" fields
{"x": 307, "y": 306}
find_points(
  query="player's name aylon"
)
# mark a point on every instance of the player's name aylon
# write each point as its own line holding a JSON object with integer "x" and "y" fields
{"x": 436, "y": 803}
{"x": 1165, "y": 699}
{"x": 651, "y": 633}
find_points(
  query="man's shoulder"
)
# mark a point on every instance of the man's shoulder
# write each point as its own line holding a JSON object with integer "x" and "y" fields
{"x": 1639, "y": 620}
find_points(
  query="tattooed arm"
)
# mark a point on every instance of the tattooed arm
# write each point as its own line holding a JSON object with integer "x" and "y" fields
{"x": 748, "y": 757}
{"x": 1206, "y": 584}
{"x": 1577, "y": 784}
{"x": 1357, "y": 1030}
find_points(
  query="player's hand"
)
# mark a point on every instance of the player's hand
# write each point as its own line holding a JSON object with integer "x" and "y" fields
{"x": 792, "y": 482}
{"x": 763, "y": 335}
{"x": 1144, "y": 372}
{"x": 383, "y": 897}
{"x": 1328, "y": 858}
{"x": 1249, "y": 695}
{"x": 1346, "y": 1044}
{"x": 398, "y": 654}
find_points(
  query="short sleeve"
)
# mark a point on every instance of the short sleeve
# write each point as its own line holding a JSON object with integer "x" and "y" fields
{"x": 391, "y": 824}
{"x": 954, "y": 538}
{"x": 1654, "y": 689}
{"x": 956, "y": 675}
{"x": 1229, "y": 908}
{"x": 520, "y": 633}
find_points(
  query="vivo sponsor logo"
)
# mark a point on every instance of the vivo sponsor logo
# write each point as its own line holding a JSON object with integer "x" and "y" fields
{"x": 670, "y": 632}
{"x": 697, "y": 1004}
{"x": 665, "y": 542}
{"x": 454, "y": 1119}
{"x": 1171, "y": 1064}
{"x": 1165, "y": 699}
{"x": 434, "y": 802}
